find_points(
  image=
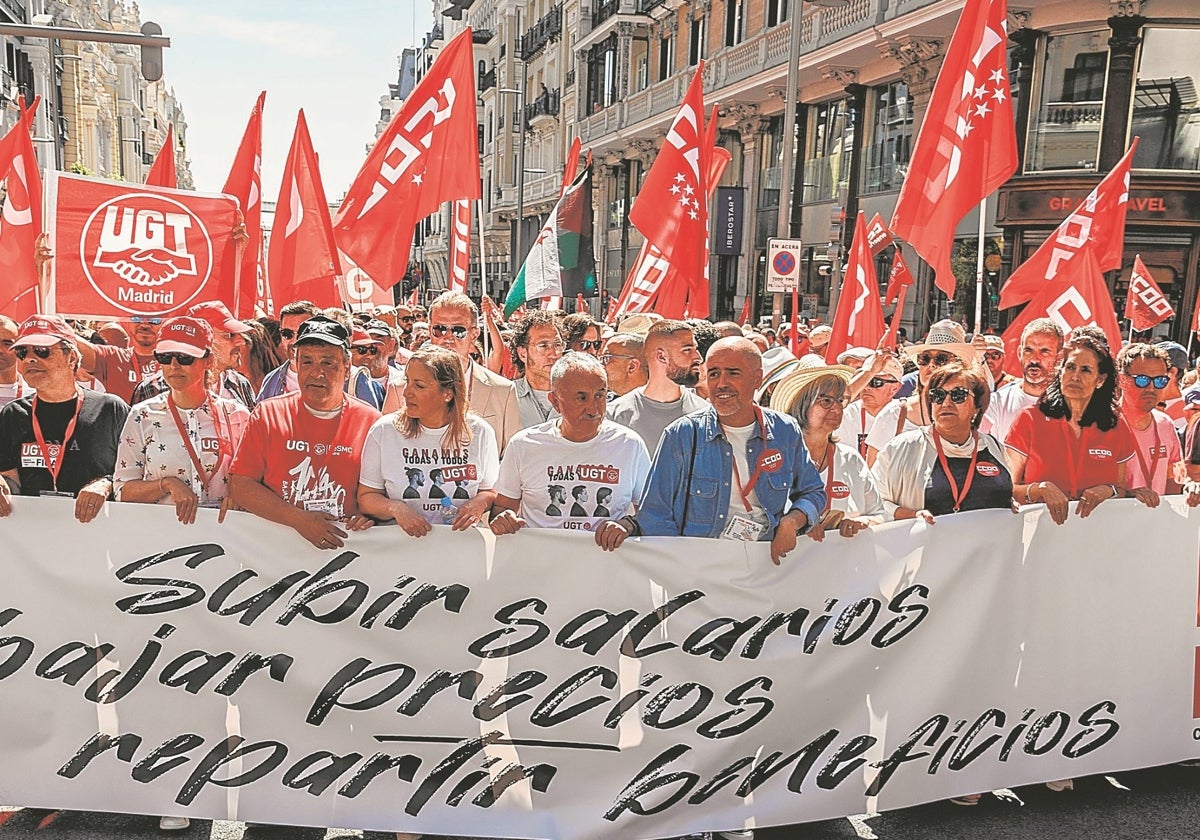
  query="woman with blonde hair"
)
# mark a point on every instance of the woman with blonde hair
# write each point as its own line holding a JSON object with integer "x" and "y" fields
{"x": 432, "y": 431}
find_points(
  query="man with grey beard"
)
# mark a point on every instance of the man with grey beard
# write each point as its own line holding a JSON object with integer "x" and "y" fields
{"x": 673, "y": 364}
{"x": 1041, "y": 349}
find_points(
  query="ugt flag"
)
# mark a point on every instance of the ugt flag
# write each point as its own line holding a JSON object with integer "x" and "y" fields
{"x": 123, "y": 251}
{"x": 561, "y": 261}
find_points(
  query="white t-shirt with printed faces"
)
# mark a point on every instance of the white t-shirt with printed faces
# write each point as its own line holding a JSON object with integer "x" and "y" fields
{"x": 576, "y": 486}
{"x": 423, "y": 470}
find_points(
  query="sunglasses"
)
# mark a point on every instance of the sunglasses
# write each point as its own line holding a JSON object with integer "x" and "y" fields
{"x": 934, "y": 359}
{"x": 1143, "y": 381}
{"x": 287, "y": 335}
{"x": 457, "y": 330}
{"x": 880, "y": 382}
{"x": 994, "y": 354}
{"x": 958, "y": 395}
{"x": 165, "y": 359}
{"x": 154, "y": 322}
{"x": 590, "y": 345}
{"x": 40, "y": 352}
{"x": 368, "y": 350}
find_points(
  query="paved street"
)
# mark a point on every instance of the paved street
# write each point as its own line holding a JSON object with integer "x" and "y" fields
{"x": 1150, "y": 804}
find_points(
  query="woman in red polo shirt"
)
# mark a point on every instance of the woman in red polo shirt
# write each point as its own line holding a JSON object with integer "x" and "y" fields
{"x": 1073, "y": 445}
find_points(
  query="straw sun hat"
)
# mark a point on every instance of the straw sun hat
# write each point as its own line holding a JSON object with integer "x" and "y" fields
{"x": 800, "y": 378}
{"x": 948, "y": 336}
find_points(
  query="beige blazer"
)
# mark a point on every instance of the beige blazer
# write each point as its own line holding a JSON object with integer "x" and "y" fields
{"x": 494, "y": 399}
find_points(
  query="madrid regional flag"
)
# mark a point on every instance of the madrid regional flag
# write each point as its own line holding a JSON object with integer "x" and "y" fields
{"x": 122, "y": 251}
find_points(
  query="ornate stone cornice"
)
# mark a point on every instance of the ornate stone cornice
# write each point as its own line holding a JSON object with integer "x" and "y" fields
{"x": 845, "y": 76}
{"x": 1126, "y": 8}
{"x": 1019, "y": 19}
{"x": 737, "y": 111}
{"x": 919, "y": 58}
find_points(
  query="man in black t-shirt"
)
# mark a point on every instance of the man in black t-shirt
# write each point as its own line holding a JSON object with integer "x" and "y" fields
{"x": 63, "y": 440}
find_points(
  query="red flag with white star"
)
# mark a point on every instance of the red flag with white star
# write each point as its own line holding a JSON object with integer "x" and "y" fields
{"x": 671, "y": 210}
{"x": 427, "y": 155}
{"x": 967, "y": 146}
{"x": 1146, "y": 305}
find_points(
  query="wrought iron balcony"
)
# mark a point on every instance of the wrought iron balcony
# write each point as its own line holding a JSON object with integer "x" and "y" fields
{"x": 547, "y": 29}
{"x": 481, "y": 36}
{"x": 604, "y": 10}
{"x": 546, "y": 105}
{"x": 487, "y": 80}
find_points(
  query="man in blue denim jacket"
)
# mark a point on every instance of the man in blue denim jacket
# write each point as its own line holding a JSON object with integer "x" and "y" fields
{"x": 734, "y": 470}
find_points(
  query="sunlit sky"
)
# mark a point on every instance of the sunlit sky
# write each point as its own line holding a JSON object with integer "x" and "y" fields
{"x": 333, "y": 59}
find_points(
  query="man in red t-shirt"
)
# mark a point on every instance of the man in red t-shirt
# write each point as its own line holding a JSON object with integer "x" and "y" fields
{"x": 120, "y": 369}
{"x": 299, "y": 460}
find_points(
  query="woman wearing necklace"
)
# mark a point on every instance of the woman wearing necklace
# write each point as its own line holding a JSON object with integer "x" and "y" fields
{"x": 945, "y": 344}
{"x": 948, "y": 466}
{"x": 813, "y": 395}
{"x": 431, "y": 433}
{"x": 1072, "y": 446}
{"x": 176, "y": 448}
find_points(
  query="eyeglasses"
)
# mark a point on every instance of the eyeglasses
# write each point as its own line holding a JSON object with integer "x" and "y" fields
{"x": 165, "y": 359}
{"x": 994, "y": 354}
{"x": 40, "y": 352}
{"x": 154, "y": 322}
{"x": 958, "y": 395}
{"x": 287, "y": 335}
{"x": 934, "y": 359}
{"x": 880, "y": 382}
{"x": 1143, "y": 381}
{"x": 367, "y": 350}
{"x": 606, "y": 358}
{"x": 456, "y": 330}
{"x": 827, "y": 402}
{"x": 547, "y": 346}
{"x": 590, "y": 345}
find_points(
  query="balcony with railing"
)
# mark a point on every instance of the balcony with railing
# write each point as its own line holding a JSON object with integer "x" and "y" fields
{"x": 433, "y": 36}
{"x": 481, "y": 36}
{"x": 548, "y": 28}
{"x": 487, "y": 80}
{"x": 604, "y": 10}
{"x": 545, "y": 105}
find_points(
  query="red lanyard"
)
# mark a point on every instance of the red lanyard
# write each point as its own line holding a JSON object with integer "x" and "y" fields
{"x": 54, "y": 464}
{"x": 1155, "y": 455}
{"x": 223, "y": 446}
{"x": 769, "y": 460}
{"x": 958, "y": 497}
{"x": 862, "y": 430}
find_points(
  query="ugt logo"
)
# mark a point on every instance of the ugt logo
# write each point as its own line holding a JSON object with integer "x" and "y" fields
{"x": 146, "y": 254}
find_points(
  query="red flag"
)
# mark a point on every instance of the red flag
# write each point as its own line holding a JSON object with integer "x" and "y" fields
{"x": 1145, "y": 305}
{"x": 358, "y": 291}
{"x": 302, "y": 259}
{"x": 1099, "y": 220}
{"x": 878, "y": 235}
{"x": 460, "y": 246}
{"x": 162, "y": 173}
{"x": 415, "y": 298}
{"x": 898, "y": 278}
{"x": 22, "y": 222}
{"x": 123, "y": 250}
{"x": 967, "y": 146}
{"x": 1076, "y": 297}
{"x": 245, "y": 184}
{"x": 571, "y": 168}
{"x": 744, "y": 317}
{"x": 858, "y": 321}
{"x": 671, "y": 209}
{"x": 427, "y": 155}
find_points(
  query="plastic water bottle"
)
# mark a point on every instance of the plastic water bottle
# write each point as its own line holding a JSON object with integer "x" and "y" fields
{"x": 448, "y": 511}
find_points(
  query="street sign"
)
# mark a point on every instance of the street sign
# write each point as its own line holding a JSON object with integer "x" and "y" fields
{"x": 783, "y": 264}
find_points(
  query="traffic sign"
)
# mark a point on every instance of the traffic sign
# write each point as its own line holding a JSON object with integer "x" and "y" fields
{"x": 783, "y": 264}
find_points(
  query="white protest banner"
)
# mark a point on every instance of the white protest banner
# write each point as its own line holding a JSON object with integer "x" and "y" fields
{"x": 533, "y": 686}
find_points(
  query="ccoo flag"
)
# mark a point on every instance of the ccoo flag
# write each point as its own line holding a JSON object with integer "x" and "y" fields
{"x": 967, "y": 146}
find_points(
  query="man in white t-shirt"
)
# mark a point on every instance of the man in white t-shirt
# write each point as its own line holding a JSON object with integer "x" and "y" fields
{"x": 556, "y": 474}
{"x": 874, "y": 385}
{"x": 1041, "y": 349}
{"x": 673, "y": 363}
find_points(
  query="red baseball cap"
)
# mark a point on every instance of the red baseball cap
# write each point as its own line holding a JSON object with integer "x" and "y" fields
{"x": 185, "y": 335}
{"x": 218, "y": 317}
{"x": 44, "y": 331}
{"x": 360, "y": 336}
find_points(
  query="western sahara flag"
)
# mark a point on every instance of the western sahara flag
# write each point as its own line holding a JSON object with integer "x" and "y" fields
{"x": 561, "y": 261}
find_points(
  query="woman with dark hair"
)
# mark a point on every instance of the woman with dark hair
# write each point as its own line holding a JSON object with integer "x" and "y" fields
{"x": 432, "y": 432}
{"x": 1073, "y": 445}
{"x": 948, "y": 466}
{"x": 262, "y": 353}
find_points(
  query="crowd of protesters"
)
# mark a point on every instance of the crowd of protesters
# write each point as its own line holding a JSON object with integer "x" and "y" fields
{"x": 329, "y": 422}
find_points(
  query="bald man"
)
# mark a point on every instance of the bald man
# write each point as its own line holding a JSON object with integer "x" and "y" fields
{"x": 624, "y": 360}
{"x": 764, "y": 486}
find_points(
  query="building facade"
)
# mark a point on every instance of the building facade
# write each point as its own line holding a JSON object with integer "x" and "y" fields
{"x": 1087, "y": 76}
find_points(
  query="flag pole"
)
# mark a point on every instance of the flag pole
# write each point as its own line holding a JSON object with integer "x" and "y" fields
{"x": 483, "y": 286}
{"x": 979, "y": 267}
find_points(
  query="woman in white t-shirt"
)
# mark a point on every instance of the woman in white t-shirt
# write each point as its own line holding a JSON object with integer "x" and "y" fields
{"x": 431, "y": 462}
